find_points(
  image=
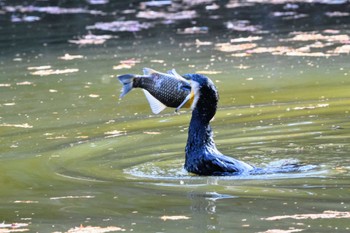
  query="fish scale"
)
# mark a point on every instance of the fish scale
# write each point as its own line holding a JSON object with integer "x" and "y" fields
{"x": 162, "y": 90}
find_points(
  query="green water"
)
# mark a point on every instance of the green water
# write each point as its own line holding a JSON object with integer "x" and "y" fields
{"x": 72, "y": 153}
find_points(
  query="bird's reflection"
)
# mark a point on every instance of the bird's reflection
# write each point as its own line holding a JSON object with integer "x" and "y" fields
{"x": 204, "y": 209}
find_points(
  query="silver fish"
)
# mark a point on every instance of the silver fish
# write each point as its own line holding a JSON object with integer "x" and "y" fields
{"x": 161, "y": 90}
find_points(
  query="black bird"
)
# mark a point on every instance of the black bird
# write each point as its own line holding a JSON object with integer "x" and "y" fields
{"x": 198, "y": 92}
{"x": 202, "y": 156}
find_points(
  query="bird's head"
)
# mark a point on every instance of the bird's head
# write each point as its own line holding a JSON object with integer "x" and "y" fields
{"x": 206, "y": 96}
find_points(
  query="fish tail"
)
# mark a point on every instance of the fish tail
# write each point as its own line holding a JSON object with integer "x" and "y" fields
{"x": 127, "y": 81}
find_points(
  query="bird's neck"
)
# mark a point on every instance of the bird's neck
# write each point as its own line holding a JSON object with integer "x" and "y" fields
{"x": 200, "y": 135}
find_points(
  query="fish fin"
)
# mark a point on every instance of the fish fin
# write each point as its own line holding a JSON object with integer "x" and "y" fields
{"x": 148, "y": 71}
{"x": 127, "y": 81}
{"x": 155, "y": 104}
{"x": 188, "y": 98}
{"x": 177, "y": 76}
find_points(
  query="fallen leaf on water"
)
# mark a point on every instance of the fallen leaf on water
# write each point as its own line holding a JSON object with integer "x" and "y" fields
{"x": 57, "y": 137}
{"x": 185, "y": 14}
{"x": 122, "y": 66}
{"x": 328, "y": 214}
{"x": 235, "y": 4}
{"x": 151, "y": 133}
{"x": 127, "y": 64}
{"x": 240, "y": 54}
{"x": 24, "y": 83}
{"x": 50, "y": 72}
{"x": 9, "y": 104}
{"x": 281, "y": 231}
{"x": 157, "y": 61}
{"x": 174, "y": 217}
{"x": 242, "y": 26}
{"x": 121, "y": 26}
{"x": 94, "y": 96}
{"x": 91, "y": 229}
{"x": 114, "y": 133}
{"x": 242, "y": 67}
{"x": 5, "y": 85}
{"x": 71, "y": 197}
{"x": 13, "y": 227}
{"x": 245, "y": 39}
{"x": 144, "y": 5}
{"x": 132, "y": 61}
{"x": 25, "y": 125}
{"x": 55, "y": 10}
{"x": 331, "y": 31}
{"x": 200, "y": 43}
{"x": 91, "y": 39}
{"x": 39, "y": 67}
{"x": 305, "y": 54}
{"x": 341, "y": 49}
{"x": 27, "y": 18}
{"x": 311, "y": 107}
{"x": 193, "y": 30}
{"x": 69, "y": 57}
{"x": 25, "y": 201}
{"x": 305, "y": 36}
{"x": 196, "y": 2}
{"x": 208, "y": 72}
{"x": 337, "y": 14}
{"x": 278, "y": 49}
{"x": 227, "y": 47}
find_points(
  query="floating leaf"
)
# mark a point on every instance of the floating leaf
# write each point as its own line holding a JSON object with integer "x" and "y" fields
{"x": 151, "y": 132}
{"x": 25, "y": 202}
{"x": 174, "y": 217}
{"x": 55, "y": 10}
{"x": 341, "y": 49}
{"x": 337, "y": 14}
{"x": 25, "y": 83}
{"x": 94, "y": 96}
{"x": 281, "y": 231}
{"x": 185, "y": 14}
{"x": 227, "y": 47}
{"x": 208, "y": 72}
{"x": 91, "y": 229}
{"x": 126, "y": 64}
{"x": 157, "y": 61}
{"x": 242, "y": 26}
{"x": 200, "y": 43}
{"x": 245, "y": 39}
{"x": 114, "y": 133}
{"x": 51, "y": 71}
{"x": 328, "y": 214}
{"x": 91, "y": 39}
{"x": 69, "y": 57}
{"x": 193, "y": 30}
{"x": 13, "y": 227}
{"x": 39, "y": 68}
{"x": 25, "y": 125}
{"x": 121, "y": 26}
{"x": 71, "y": 197}
{"x": 5, "y": 85}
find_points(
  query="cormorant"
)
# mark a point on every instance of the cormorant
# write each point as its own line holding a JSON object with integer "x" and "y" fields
{"x": 202, "y": 156}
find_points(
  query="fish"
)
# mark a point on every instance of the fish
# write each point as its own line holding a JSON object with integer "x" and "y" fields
{"x": 161, "y": 89}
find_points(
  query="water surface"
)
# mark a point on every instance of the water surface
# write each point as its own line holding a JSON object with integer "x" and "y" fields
{"x": 72, "y": 153}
